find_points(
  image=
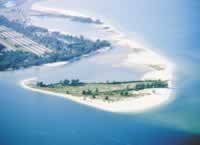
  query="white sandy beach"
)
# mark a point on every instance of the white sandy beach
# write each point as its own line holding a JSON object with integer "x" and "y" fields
{"x": 56, "y": 64}
{"x": 142, "y": 55}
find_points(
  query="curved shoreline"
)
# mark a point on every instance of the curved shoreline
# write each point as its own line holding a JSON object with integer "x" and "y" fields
{"x": 161, "y": 69}
{"x": 141, "y": 55}
{"x": 130, "y": 105}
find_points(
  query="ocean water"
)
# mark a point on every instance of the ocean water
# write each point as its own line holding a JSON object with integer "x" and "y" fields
{"x": 171, "y": 28}
{"x": 33, "y": 118}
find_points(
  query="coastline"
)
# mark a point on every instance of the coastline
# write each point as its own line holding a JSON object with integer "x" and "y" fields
{"x": 160, "y": 68}
{"x": 130, "y": 105}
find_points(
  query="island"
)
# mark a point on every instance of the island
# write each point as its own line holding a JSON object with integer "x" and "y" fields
{"x": 108, "y": 91}
{"x": 115, "y": 96}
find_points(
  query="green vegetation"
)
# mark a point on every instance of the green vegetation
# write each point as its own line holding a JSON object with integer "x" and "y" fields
{"x": 17, "y": 59}
{"x": 106, "y": 91}
{"x": 64, "y": 47}
{"x": 73, "y": 83}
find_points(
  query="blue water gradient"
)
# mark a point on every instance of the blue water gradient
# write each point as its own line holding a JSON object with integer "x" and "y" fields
{"x": 168, "y": 27}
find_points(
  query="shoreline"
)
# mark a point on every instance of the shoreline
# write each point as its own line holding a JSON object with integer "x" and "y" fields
{"x": 142, "y": 55}
{"x": 129, "y": 105}
{"x": 160, "y": 67}
{"x": 56, "y": 64}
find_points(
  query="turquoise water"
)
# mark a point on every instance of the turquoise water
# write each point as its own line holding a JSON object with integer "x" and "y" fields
{"x": 170, "y": 28}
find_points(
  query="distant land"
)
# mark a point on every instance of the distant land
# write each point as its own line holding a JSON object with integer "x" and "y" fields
{"x": 27, "y": 46}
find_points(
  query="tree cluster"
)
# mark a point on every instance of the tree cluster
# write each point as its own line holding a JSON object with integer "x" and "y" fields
{"x": 152, "y": 84}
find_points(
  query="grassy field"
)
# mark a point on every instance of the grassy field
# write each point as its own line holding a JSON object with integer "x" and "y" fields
{"x": 107, "y": 91}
